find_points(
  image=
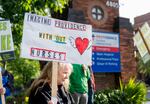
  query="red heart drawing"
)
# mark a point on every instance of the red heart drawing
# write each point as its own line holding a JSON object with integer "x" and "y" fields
{"x": 81, "y": 45}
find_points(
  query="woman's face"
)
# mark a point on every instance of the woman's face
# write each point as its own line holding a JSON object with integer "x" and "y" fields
{"x": 63, "y": 74}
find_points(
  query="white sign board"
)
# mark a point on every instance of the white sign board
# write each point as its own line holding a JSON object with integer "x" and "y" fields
{"x": 105, "y": 42}
{"x": 51, "y": 39}
{"x": 140, "y": 44}
{"x": 145, "y": 30}
{"x": 6, "y": 42}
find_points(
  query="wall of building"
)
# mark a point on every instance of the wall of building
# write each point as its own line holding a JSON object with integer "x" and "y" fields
{"x": 140, "y": 20}
{"x": 81, "y": 13}
{"x": 128, "y": 61}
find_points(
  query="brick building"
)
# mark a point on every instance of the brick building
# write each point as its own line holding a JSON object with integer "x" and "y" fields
{"x": 103, "y": 15}
{"x": 140, "y": 20}
{"x": 128, "y": 61}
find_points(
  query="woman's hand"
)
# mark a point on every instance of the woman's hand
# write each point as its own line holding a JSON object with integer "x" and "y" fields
{"x": 2, "y": 90}
{"x": 84, "y": 67}
{"x": 50, "y": 102}
{"x": 53, "y": 100}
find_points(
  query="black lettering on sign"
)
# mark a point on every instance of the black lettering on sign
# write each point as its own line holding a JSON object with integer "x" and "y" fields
{"x": 48, "y": 54}
{"x": 38, "y": 19}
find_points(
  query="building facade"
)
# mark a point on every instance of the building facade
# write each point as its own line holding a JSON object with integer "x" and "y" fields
{"x": 103, "y": 15}
{"x": 140, "y": 20}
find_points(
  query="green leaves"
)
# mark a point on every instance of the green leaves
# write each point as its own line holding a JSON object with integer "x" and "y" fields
{"x": 144, "y": 68}
{"x": 108, "y": 96}
{"x": 135, "y": 91}
{"x": 23, "y": 69}
{"x": 131, "y": 93}
{"x": 14, "y": 10}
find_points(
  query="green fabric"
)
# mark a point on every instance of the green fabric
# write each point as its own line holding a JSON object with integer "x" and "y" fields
{"x": 79, "y": 79}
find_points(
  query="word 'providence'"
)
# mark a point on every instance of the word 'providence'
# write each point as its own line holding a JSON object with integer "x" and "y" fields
{"x": 69, "y": 25}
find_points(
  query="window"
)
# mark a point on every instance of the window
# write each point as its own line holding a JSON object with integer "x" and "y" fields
{"x": 97, "y": 13}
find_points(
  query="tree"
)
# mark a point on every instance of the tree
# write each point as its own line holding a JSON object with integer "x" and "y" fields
{"x": 14, "y": 11}
{"x": 143, "y": 68}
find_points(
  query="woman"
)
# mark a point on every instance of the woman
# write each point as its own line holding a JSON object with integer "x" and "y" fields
{"x": 40, "y": 90}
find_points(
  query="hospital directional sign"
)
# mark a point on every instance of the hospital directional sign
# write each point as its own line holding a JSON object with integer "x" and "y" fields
{"x": 105, "y": 52}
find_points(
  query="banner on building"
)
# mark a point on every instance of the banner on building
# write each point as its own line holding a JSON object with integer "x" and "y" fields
{"x": 6, "y": 42}
{"x": 106, "y": 53}
{"x": 51, "y": 39}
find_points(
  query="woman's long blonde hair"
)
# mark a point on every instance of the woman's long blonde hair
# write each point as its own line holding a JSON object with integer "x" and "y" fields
{"x": 46, "y": 76}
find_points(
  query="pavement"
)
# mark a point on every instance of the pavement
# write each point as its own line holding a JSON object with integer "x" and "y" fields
{"x": 148, "y": 102}
{"x": 148, "y": 96}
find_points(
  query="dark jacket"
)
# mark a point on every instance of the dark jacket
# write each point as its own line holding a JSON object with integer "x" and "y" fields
{"x": 43, "y": 95}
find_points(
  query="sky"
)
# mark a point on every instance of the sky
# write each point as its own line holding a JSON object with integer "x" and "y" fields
{"x": 133, "y": 8}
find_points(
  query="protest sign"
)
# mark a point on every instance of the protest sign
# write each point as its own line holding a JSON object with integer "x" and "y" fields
{"x": 141, "y": 40}
{"x": 140, "y": 44}
{"x": 1, "y": 86}
{"x": 51, "y": 39}
{"x": 6, "y": 42}
{"x": 145, "y": 33}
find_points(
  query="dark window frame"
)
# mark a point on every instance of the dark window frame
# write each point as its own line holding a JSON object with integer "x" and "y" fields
{"x": 98, "y": 13}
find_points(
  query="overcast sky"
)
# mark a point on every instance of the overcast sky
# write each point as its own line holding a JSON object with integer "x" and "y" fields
{"x": 133, "y": 8}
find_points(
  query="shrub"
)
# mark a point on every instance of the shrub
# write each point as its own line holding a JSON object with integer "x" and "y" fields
{"x": 134, "y": 92}
{"x": 108, "y": 96}
{"x": 130, "y": 93}
{"x": 100, "y": 98}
